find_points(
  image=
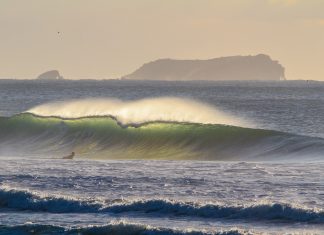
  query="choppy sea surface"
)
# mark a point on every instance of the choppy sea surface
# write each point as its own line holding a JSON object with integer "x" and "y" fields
{"x": 161, "y": 157}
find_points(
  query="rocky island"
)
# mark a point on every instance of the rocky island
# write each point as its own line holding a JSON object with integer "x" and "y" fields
{"x": 52, "y": 75}
{"x": 259, "y": 67}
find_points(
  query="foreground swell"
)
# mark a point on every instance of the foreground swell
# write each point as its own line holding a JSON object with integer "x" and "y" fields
{"x": 16, "y": 200}
{"x": 117, "y": 228}
{"x": 105, "y": 137}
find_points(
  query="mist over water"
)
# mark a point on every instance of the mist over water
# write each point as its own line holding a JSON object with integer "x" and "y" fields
{"x": 165, "y": 109}
{"x": 288, "y": 106}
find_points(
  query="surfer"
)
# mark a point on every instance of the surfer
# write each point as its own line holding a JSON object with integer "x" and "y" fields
{"x": 70, "y": 156}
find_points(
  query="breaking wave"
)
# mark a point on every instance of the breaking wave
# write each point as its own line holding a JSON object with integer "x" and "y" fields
{"x": 11, "y": 199}
{"x": 105, "y": 137}
{"x": 116, "y": 228}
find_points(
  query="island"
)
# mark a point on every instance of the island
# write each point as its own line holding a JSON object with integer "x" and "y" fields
{"x": 258, "y": 67}
{"x": 52, "y": 75}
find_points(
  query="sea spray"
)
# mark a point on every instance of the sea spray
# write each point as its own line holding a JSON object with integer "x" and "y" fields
{"x": 168, "y": 109}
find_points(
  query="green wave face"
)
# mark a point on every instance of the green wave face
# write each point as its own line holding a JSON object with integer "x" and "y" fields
{"x": 103, "y": 137}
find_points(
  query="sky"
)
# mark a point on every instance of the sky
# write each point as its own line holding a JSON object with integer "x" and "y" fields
{"x": 106, "y": 39}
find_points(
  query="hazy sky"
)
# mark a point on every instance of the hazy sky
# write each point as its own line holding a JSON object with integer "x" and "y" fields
{"x": 111, "y": 38}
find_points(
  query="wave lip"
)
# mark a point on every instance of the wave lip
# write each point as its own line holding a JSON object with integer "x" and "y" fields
{"x": 116, "y": 228}
{"x": 11, "y": 199}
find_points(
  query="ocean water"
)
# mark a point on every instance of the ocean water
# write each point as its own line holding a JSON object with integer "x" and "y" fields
{"x": 161, "y": 157}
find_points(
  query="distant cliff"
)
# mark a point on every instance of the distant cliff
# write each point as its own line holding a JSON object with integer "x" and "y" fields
{"x": 50, "y": 75}
{"x": 259, "y": 67}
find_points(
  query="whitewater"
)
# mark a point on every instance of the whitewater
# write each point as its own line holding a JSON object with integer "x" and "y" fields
{"x": 161, "y": 157}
